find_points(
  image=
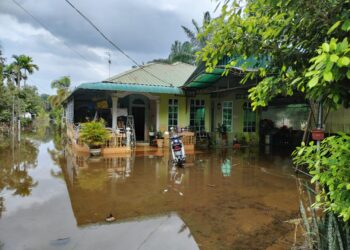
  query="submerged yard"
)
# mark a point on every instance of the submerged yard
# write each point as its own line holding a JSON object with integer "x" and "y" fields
{"x": 223, "y": 199}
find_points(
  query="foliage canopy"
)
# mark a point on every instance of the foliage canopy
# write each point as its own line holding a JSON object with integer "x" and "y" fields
{"x": 304, "y": 44}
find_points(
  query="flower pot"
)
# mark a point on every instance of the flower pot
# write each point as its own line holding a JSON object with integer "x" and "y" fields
{"x": 236, "y": 146}
{"x": 151, "y": 133}
{"x": 317, "y": 134}
{"x": 95, "y": 151}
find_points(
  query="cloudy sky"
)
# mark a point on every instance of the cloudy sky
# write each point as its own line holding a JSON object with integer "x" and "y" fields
{"x": 67, "y": 45}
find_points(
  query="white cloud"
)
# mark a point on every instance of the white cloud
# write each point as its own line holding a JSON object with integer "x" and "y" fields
{"x": 145, "y": 29}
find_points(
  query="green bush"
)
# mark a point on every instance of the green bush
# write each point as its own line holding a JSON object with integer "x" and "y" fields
{"x": 330, "y": 167}
{"x": 94, "y": 133}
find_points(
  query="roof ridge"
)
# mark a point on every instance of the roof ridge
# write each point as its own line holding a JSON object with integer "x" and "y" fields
{"x": 129, "y": 71}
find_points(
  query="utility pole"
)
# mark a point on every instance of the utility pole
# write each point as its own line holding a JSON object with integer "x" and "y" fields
{"x": 18, "y": 106}
{"x": 109, "y": 63}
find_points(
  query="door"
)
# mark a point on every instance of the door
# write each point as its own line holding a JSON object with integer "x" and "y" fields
{"x": 139, "y": 120}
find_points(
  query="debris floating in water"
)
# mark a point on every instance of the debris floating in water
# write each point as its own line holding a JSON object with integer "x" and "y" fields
{"x": 165, "y": 190}
{"x": 110, "y": 218}
{"x": 60, "y": 241}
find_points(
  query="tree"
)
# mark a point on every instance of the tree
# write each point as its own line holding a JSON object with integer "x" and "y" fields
{"x": 286, "y": 35}
{"x": 23, "y": 64}
{"x": 182, "y": 52}
{"x": 62, "y": 92}
{"x": 25, "y": 99}
{"x": 2, "y": 66}
{"x": 198, "y": 42}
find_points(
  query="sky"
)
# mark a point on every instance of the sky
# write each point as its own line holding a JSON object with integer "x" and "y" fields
{"x": 64, "y": 44}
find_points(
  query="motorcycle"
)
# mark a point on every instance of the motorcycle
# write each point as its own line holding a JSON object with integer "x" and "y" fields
{"x": 177, "y": 149}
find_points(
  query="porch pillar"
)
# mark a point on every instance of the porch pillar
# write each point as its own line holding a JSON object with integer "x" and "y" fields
{"x": 114, "y": 111}
{"x": 157, "y": 120}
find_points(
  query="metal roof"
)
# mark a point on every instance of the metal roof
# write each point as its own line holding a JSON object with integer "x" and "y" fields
{"x": 200, "y": 78}
{"x": 130, "y": 88}
{"x": 156, "y": 74}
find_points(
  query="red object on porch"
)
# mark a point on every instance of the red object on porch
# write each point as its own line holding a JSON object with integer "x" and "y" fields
{"x": 317, "y": 134}
{"x": 236, "y": 146}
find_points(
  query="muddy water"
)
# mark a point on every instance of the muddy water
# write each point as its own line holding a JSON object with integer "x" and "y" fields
{"x": 54, "y": 198}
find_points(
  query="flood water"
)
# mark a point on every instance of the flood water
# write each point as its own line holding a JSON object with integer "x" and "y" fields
{"x": 53, "y": 198}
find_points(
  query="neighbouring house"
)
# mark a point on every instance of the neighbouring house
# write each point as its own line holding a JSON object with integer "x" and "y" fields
{"x": 282, "y": 122}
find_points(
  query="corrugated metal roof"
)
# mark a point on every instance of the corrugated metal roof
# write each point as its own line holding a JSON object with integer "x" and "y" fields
{"x": 156, "y": 74}
{"x": 202, "y": 79}
{"x": 131, "y": 88}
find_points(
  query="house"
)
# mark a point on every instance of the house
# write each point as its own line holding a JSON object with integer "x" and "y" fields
{"x": 160, "y": 96}
{"x": 230, "y": 106}
{"x": 151, "y": 94}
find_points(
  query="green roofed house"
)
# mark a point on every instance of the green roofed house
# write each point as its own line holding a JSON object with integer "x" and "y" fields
{"x": 283, "y": 122}
{"x": 151, "y": 93}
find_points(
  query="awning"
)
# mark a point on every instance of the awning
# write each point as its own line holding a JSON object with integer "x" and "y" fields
{"x": 202, "y": 79}
{"x": 126, "y": 87}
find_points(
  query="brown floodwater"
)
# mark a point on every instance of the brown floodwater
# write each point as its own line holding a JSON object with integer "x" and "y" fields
{"x": 54, "y": 198}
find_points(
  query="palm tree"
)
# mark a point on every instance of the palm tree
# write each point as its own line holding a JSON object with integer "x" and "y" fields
{"x": 193, "y": 35}
{"x": 182, "y": 52}
{"x": 62, "y": 91}
{"x": 26, "y": 64}
{"x": 62, "y": 83}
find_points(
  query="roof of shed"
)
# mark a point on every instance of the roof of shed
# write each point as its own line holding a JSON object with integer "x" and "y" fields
{"x": 200, "y": 78}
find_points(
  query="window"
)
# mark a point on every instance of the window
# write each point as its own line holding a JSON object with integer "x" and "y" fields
{"x": 249, "y": 122}
{"x": 197, "y": 115}
{"x": 227, "y": 115}
{"x": 172, "y": 113}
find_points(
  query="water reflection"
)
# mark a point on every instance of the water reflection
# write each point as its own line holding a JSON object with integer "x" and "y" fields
{"x": 16, "y": 160}
{"x": 175, "y": 181}
{"x": 223, "y": 199}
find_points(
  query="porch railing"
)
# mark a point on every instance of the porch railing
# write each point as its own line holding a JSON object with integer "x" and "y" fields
{"x": 117, "y": 140}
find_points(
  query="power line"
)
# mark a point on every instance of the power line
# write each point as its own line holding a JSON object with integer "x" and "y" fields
{"x": 112, "y": 43}
{"x": 46, "y": 27}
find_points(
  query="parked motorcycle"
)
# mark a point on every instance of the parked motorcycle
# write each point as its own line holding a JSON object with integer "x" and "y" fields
{"x": 177, "y": 149}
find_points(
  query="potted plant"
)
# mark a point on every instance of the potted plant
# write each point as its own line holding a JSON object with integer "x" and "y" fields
{"x": 94, "y": 135}
{"x": 236, "y": 143}
{"x": 160, "y": 139}
{"x": 151, "y": 131}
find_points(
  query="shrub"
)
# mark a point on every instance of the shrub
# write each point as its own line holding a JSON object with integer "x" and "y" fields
{"x": 94, "y": 133}
{"x": 331, "y": 169}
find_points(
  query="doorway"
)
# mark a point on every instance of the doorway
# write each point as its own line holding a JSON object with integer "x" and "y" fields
{"x": 139, "y": 120}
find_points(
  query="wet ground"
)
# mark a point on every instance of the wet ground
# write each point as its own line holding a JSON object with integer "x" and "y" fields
{"x": 53, "y": 198}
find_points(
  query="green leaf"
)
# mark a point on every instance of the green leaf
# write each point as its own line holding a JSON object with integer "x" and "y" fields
{"x": 343, "y": 61}
{"x": 346, "y": 25}
{"x": 348, "y": 186}
{"x": 348, "y": 74}
{"x": 325, "y": 47}
{"x": 335, "y": 98}
{"x": 334, "y": 26}
{"x": 334, "y": 58}
{"x": 312, "y": 83}
{"x": 328, "y": 76}
{"x": 333, "y": 44}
